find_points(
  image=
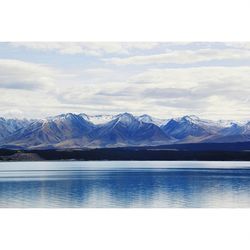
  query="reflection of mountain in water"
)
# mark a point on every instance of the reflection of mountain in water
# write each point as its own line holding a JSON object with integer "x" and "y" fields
{"x": 128, "y": 188}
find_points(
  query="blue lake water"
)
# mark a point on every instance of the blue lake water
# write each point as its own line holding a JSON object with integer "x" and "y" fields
{"x": 124, "y": 184}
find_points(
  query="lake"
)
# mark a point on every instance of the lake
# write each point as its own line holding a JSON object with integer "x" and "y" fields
{"x": 124, "y": 184}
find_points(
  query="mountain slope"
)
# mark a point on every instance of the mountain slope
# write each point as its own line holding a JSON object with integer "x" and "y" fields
{"x": 149, "y": 119}
{"x": 9, "y": 126}
{"x": 80, "y": 131}
{"x": 127, "y": 130}
{"x": 51, "y": 131}
{"x": 183, "y": 128}
{"x": 233, "y": 133}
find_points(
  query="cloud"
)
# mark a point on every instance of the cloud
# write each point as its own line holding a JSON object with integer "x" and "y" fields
{"x": 16, "y": 74}
{"x": 193, "y": 77}
{"x": 98, "y": 71}
{"x": 168, "y": 91}
{"x": 20, "y": 85}
{"x": 35, "y": 90}
{"x": 239, "y": 45}
{"x": 87, "y": 48}
{"x": 182, "y": 57}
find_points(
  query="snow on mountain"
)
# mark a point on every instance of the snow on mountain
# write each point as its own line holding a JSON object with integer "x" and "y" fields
{"x": 9, "y": 126}
{"x": 126, "y": 118}
{"x": 101, "y": 119}
{"x": 125, "y": 129}
{"x": 186, "y": 126}
{"x": 149, "y": 119}
{"x": 231, "y": 132}
{"x": 4, "y": 131}
{"x": 51, "y": 130}
{"x": 231, "y": 129}
{"x": 212, "y": 127}
{"x": 72, "y": 130}
{"x": 97, "y": 119}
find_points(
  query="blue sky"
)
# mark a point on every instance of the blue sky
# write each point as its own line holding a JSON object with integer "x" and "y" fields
{"x": 210, "y": 80}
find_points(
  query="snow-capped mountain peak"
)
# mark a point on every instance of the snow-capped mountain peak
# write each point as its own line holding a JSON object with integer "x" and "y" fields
{"x": 82, "y": 130}
{"x": 145, "y": 118}
{"x": 84, "y": 116}
{"x": 125, "y": 118}
{"x": 190, "y": 118}
{"x": 149, "y": 119}
{"x": 97, "y": 119}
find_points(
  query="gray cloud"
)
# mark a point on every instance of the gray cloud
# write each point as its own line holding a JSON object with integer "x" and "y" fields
{"x": 34, "y": 89}
{"x": 21, "y": 85}
{"x": 16, "y": 74}
{"x": 87, "y": 48}
{"x": 171, "y": 93}
{"x": 182, "y": 57}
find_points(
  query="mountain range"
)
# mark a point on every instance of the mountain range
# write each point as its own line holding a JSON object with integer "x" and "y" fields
{"x": 70, "y": 130}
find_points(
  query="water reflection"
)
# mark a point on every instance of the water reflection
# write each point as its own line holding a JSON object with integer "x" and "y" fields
{"x": 137, "y": 185}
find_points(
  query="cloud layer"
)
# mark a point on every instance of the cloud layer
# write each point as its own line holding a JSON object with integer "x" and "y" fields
{"x": 165, "y": 80}
{"x": 87, "y": 48}
{"x": 183, "y": 57}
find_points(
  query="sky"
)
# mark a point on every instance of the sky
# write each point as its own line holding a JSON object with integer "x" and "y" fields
{"x": 209, "y": 80}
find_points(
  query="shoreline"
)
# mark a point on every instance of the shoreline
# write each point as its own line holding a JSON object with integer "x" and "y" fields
{"x": 125, "y": 154}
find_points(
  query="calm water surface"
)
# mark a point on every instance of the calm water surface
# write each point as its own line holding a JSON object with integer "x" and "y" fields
{"x": 124, "y": 184}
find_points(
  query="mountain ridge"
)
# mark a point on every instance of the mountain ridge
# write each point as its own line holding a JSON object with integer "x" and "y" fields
{"x": 87, "y": 131}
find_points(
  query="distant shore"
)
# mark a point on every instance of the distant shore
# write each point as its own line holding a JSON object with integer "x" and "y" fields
{"x": 182, "y": 152}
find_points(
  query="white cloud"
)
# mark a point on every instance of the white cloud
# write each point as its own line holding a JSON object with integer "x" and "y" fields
{"x": 239, "y": 45}
{"x": 16, "y": 74}
{"x": 185, "y": 78}
{"x": 35, "y": 90}
{"x": 97, "y": 73}
{"x": 183, "y": 57}
{"x": 213, "y": 92}
{"x": 87, "y": 48}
